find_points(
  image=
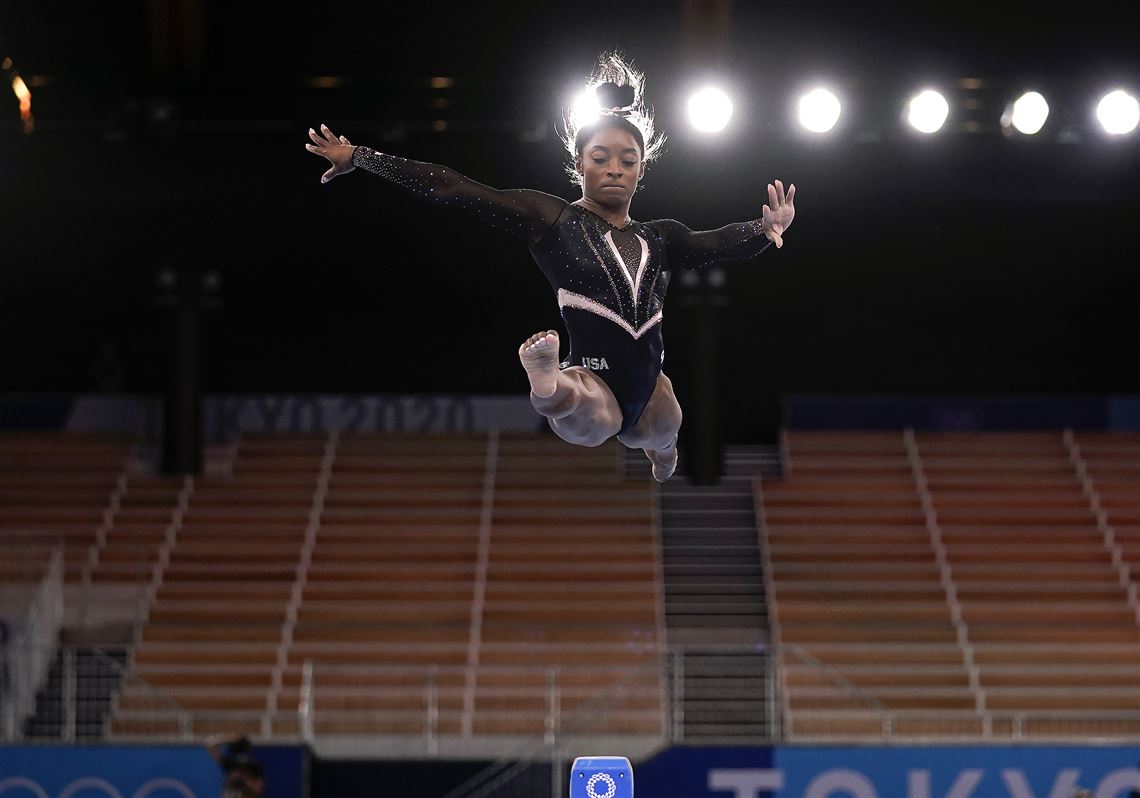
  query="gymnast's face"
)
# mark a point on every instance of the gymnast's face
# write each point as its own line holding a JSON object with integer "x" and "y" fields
{"x": 610, "y": 164}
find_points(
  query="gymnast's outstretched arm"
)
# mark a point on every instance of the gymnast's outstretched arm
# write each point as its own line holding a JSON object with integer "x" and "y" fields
{"x": 689, "y": 249}
{"x": 522, "y": 212}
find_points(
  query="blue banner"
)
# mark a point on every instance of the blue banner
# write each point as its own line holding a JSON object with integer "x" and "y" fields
{"x": 958, "y": 413}
{"x": 226, "y": 416}
{"x": 139, "y": 772}
{"x": 891, "y": 772}
{"x": 685, "y": 772}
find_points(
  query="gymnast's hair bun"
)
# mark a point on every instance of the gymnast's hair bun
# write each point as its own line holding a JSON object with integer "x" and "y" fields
{"x": 610, "y": 96}
{"x": 617, "y": 94}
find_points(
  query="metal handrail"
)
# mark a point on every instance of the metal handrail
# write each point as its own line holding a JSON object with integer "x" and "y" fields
{"x": 26, "y": 659}
{"x": 838, "y": 678}
{"x": 505, "y": 768}
{"x": 576, "y": 721}
{"x": 122, "y": 672}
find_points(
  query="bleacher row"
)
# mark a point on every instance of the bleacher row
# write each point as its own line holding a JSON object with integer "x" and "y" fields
{"x": 957, "y": 584}
{"x": 920, "y": 584}
{"x": 452, "y": 581}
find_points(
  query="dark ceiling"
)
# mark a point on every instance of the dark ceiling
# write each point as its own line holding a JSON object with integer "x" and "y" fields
{"x": 169, "y": 134}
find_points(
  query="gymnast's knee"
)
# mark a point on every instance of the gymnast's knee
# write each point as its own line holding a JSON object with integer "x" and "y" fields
{"x": 557, "y": 405}
{"x": 597, "y": 424}
{"x": 666, "y": 424}
{"x": 584, "y": 431}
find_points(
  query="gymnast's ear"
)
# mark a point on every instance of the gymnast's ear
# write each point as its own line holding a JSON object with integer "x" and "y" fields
{"x": 578, "y": 164}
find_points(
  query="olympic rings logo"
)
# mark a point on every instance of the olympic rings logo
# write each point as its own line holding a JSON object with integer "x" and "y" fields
{"x": 611, "y": 786}
{"x": 92, "y": 782}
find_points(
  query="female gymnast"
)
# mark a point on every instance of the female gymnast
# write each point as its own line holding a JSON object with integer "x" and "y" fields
{"x": 610, "y": 272}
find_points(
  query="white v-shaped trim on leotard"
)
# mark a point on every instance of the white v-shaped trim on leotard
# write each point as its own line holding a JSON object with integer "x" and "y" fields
{"x": 572, "y": 300}
{"x": 634, "y": 282}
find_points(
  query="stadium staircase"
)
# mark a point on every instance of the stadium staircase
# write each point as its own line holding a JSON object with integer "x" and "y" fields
{"x": 715, "y": 609}
{"x": 75, "y": 700}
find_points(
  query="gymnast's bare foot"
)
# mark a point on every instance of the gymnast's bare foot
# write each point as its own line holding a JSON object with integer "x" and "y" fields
{"x": 664, "y": 461}
{"x": 539, "y": 356}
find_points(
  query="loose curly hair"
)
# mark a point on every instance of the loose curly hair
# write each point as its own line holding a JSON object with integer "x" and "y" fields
{"x": 615, "y": 81}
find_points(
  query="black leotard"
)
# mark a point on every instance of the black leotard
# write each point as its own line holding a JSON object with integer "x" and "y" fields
{"x": 610, "y": 281}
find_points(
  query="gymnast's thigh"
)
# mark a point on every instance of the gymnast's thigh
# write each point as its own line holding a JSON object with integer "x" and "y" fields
{"x": 659, "y": 421}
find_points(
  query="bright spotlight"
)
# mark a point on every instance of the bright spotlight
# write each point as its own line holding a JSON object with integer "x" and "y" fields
{"x": 709, "y": 110}
{"x": 21, "y": 89}
{"x": 24, "y": 94}
{"x": 819, "y": 110}
{"x": 1029, "y": 113}
{"x": 1118, "y": 112}
{"x": 585, "y": 108}
{"x": 927, "y": 111}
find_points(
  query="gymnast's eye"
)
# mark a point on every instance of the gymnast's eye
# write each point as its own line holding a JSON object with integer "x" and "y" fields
{"x": 599, "y": 160}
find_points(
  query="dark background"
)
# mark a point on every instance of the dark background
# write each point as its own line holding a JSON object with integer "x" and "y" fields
{"x": 169, "y": 134}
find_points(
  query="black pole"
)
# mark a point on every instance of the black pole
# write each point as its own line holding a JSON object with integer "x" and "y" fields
{"x": 702, "y": 432}
{"x": 707, "y": 454}
{"x": 182, "y": 423}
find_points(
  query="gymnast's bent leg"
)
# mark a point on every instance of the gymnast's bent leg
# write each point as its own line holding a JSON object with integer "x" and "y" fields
{"x": 656, "y": 430}
{"x": 580, "y": 407}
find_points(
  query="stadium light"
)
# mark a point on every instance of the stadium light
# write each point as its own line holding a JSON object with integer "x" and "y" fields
{"x": 1118, "y": 112}
{"x": 927, "y": 111}
{"x": 585, "y": 108}
{"x": 819, "y": 110}
{"x": 1027, "y": 114}
{"x": 710, "y": 109}
{"x": 23, "y": 95}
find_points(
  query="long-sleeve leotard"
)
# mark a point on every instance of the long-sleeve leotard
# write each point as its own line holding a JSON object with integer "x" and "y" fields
{"x": 610, "y": 282}
{"x": 523, "y": 213}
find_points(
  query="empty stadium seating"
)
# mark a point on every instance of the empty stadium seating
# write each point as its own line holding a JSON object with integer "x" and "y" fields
{"x": 389, "y": 584}
{"x": 952, "y": 584}
{"x": 63, "y": 487}
{"x": 925, "y": 585}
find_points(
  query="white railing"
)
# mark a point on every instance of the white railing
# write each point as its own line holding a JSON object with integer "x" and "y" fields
{"x": 945, "y": 571}
{"x": 482, "y": 563}
{"x": 166, "y": 549}
{"x": 28, "y": 655}
{"x": 114, "y": 503}
{"x": 778, "y": 688}
{"x": 537, "y": 765}
{"x": 431, "y": 703}
{"x": 871, "y": 718}
{"x": 535, "y": 712}
{"x": 1111, "y": 544}
{"x": 964, "y": 725}
{"x": 304, "y": 563}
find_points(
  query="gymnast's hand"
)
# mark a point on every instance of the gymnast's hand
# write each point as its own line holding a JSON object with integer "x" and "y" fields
{"x": 779, "y": 212}
{"x": 337, "y": 149}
